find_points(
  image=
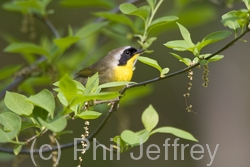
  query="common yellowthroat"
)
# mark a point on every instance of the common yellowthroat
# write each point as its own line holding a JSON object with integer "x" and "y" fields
{"x": 117, "y": 65}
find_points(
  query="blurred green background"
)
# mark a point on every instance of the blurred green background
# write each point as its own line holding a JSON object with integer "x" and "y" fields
{"x": 222, "y": 109}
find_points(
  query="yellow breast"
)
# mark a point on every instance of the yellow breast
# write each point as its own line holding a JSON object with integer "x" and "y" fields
{"x": 125, "y": 73}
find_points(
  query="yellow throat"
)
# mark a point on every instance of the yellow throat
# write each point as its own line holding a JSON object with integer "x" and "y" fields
{"x": 125, "y": 73}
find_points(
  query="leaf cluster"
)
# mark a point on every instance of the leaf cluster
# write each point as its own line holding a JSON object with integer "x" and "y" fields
{"x": 235, "y": 20}
{"x": 150, "y": 119}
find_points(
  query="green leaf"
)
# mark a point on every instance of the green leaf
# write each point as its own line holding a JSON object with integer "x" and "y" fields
{"x": 162, "y": 21}
{"x": 177, "y": 132}
{"x": 122, "y": 145}
{"x": 142, "y": 12}
{"x": 10, "y": 6}
{"x": 68, "y": 87}
{"x": 116, "y": 18}
{"x": 9, "y": 71}
{"x": 80, "y": 98}
{"x": 56, "y": 125}
{"x": 18, "y": 103}
{"x": 164, "y": 72}
{"x": 70, "y": 31}
{"x": 150, "y": 62}
{"x": 130, "y": 9}
{"x": 186, "y": 35}
{"x": 45, "y": 2}
{"x": 139, "y": 36}
{"x": 103, "y": 95}
{"x": 28, "y": 6}
{"x": 184, "y": 60}
{"x": 27, "y": 124}
{"x": 148, "y": 42}
{"x": 195, "y": 60}
{"x": 11, "y": 124}
{"x": 86, "y": 115}
{"x": 230, "y": 20}
{"x": 17, "y": 149}
{"x": 135, "y": 139}
{"x": 143, "y": 135}
{"x": 64, "y": 43}
{"x": 45, "y": 100}
{"x": 37, "y": 6}
{"x": 90, "y": 29}
{"x": 84, "y": 3}
{"x": 151, "y": 4}
{"x": 79, "y": 86}
{"x": 62, "y": 99}
{"x": 65, "y": 132}
{"x": 179, "y": 45}
{"x": 214, "y": 58}
{"x": 114, "y": 84}
{"x": 39, "y": 112}
{"x": 131, "y": 138}
{"x": 247, "y": 3}
{"x": 9, "y": 38}
{"x": 26, "y": 48}
{"x": 92, "y": 84}
{"x": 216, "y": 36}
{"x": 127, "y": 8}
{"x": 150, "y": 118}
{"x": 32, "y": 6}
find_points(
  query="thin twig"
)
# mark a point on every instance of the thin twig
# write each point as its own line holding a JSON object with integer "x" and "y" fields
{"x": 35, "y": 136}
{"x": 49, "y": 24}
{"x": 104, "y": 101}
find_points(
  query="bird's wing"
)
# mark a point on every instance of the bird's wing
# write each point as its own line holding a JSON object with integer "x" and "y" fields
{"x": 86, "y": 72}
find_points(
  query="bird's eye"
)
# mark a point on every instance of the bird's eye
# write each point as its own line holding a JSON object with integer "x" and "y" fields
{"x": 127, "y": 52}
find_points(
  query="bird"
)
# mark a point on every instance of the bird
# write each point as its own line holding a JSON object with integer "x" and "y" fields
{"x": 117, "y": 65}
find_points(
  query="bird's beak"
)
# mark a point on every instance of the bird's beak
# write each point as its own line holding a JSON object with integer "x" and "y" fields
{"x": 139, "y": 51}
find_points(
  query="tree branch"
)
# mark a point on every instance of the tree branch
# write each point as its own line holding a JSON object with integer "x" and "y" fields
{"x": 187, "y": 68}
